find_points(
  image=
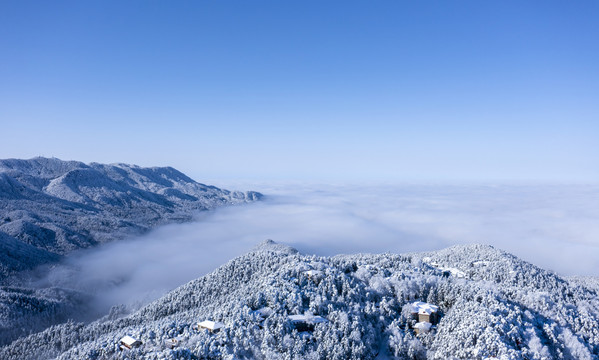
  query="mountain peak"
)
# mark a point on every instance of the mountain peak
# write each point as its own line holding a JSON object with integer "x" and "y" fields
{"x": 271, "y": 245}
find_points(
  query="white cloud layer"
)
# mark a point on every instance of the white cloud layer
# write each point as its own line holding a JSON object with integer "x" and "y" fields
{"x": 555, "y": 227}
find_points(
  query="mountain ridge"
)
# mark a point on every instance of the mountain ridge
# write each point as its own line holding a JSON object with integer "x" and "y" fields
{"x": 60, "y": 206}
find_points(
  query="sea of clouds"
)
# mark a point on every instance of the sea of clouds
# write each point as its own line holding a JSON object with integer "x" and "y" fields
{"x": 553, "y": 226}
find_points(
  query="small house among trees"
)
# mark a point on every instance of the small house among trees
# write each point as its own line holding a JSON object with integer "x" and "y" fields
{"x": 305, "y": 322}
{"x": 425, "y": 312}
{"x": 422, "y": 327}
{"x": 128, "y": 342}
{"x": 426, "y": 315}
{"x": 171, "y": 343}
{"x": 212, "y": 326}
{"x": 313, "y": 274}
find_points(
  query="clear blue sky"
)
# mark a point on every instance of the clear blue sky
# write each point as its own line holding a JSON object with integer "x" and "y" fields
{"x": 339, "y": 90}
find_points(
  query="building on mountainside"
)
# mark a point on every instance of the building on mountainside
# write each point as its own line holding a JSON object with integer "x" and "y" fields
{"x": 313, "y": 274}
{"x": 128, "y": 342}
{"x": 305, "y": 322}
{"x": 425, "y": 312}
{"x": 212, "y": 326}
{"x": 422, "y": 327}
{"x": 263, "y": 313}
{"x": 171, "y": 343}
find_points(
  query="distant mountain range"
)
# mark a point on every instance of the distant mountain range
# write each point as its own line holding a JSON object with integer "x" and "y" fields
{"x": 275, "y": 303}
{"x": 50, "y": 207}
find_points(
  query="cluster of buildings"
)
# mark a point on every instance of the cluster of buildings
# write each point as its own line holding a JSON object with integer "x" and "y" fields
{"x": 426, "y": 316}
{"x": 128, "y": 342}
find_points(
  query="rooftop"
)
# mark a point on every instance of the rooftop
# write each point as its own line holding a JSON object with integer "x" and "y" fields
{"x": 424, "y": 308}
{"x": 128, "y": 340}
{"x": 423, "y": 326}
{"x": 311, "y": 319}
{"x": 211, "y": 325}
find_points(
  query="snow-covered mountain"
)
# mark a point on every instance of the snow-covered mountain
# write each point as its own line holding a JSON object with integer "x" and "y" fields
{"x": 490, "y": 304}
{"x": 50, "y": 207}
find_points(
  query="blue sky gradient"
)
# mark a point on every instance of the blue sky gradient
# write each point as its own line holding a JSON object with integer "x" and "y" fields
{"x": 310, "y": 90}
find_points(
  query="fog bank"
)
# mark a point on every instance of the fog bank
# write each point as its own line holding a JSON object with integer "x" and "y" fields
{"x": 552, "y": 226}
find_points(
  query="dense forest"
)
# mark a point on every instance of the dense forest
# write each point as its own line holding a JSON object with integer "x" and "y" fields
{"x": 491, "y": 305}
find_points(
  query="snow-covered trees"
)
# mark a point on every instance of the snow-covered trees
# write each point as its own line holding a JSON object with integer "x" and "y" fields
{"x": 502, "y": 308}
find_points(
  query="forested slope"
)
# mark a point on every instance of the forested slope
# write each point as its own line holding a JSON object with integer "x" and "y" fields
{"x": 50, "y": 207}
{"x": 492, "y": 305}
